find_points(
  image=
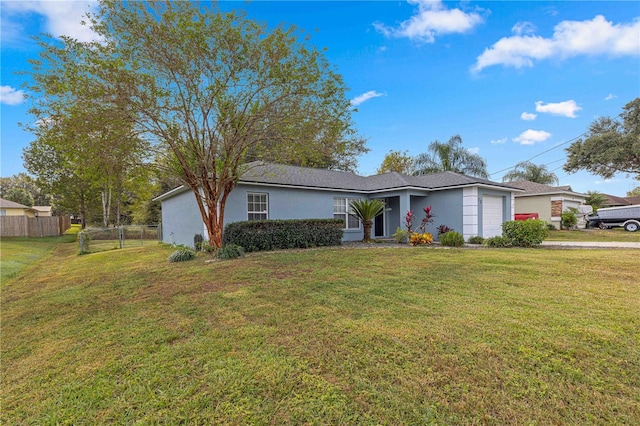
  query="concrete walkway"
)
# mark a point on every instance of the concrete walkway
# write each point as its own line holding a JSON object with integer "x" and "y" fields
{"x": 586, "y": 244}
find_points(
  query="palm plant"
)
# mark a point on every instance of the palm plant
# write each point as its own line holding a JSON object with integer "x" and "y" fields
{"x": 526, "y": 170}
{"x": 595, "y": 199}
{"x": 450, "y": 156}
{"x": 367, "y": 210}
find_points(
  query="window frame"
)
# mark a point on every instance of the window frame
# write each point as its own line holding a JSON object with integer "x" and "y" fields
{"x": 253, "y": 203}
{"x": 347, "y": 213}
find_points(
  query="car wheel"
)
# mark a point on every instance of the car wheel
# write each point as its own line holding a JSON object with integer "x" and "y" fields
{"x": 631, "y": 227}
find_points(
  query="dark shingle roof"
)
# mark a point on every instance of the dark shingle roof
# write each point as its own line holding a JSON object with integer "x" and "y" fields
{"x": 259, "y": 172}
{"x": 285, "y": 175}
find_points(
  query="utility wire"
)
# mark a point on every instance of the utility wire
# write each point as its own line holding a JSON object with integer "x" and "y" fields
{"x": 543, "y": 152}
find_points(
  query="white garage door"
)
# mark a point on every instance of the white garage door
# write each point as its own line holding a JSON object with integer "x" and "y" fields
{"x": 491, "y": 216}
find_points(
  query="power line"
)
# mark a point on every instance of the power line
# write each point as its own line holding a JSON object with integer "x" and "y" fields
{"x": 538, "y": 155}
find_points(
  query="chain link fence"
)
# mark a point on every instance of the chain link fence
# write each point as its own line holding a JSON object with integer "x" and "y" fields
{"x": 93, "y": 240}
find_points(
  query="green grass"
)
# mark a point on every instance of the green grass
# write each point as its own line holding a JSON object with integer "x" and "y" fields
{"x": 327, "y": 336}
{"x": 17, "y": 253}
{"x": 595, "y": 235}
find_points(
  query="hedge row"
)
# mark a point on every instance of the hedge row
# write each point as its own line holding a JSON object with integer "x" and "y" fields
{"x": 266, "y": 235}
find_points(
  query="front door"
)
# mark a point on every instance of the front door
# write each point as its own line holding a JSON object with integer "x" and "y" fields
{"x": 378, "y": 224}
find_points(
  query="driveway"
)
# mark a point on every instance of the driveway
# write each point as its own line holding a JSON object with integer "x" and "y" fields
{"x": 583, "y": 244}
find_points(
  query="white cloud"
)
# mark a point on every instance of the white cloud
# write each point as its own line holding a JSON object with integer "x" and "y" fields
{"x": 432, "y": 19}
{"x": 564, "y": 109}
{"x": 532, "y": 137}
{"x": 570, "y": 38}
{"x": 610, "y": 96}
{"x": 499, "y": 141}
{"x": 11, "y": 96}
{"x": 61, "y": 18}
{"x": 607, "y": 181}
{"x": 523, "y": 28}
{"x": 474, "y": 150}
{"x": 365, "y": 97}
{"x": 528, "y": 116}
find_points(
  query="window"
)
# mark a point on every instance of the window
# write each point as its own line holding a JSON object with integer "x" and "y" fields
{"x": 257, "y": 206}
{"x": 342, "y": 210}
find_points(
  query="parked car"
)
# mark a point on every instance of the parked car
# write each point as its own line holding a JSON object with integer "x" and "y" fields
{"x": 627, "y": 217}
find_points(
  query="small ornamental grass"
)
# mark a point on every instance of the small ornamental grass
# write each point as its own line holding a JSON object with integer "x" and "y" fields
{"x": 452, "y": 239}
{"x": 229, "y": 251}
{"x": 182, "y": 255}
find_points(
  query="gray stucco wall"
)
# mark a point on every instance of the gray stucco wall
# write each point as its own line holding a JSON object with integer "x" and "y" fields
{"x": 289, "y": 203}
{"x": 181, "y": 219}
{"x": 446, "y": 209}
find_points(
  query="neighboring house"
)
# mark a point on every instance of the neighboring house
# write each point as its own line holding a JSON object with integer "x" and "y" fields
{"x": 613, "y": 201}
{"x": 44, "y": 211}
{"x": 633, "y": 200}
{"x": 10, "y": 208}
{"x": 547, "y": 201}
{"x": 469, "y": 205}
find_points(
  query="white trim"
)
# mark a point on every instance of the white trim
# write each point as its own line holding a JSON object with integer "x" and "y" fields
{"x": 469, "y": 212}
{"x": 266, "y": 212}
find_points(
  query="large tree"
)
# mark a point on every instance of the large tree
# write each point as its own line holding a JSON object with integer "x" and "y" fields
{"x": 396, "y": 161}
{"x": 450, "y": 156}
{"x": 85, "y": 129}
{"x": 611, "y": 145}
{"x": 218, "y": 91}
{"x": 20, "y": 196}
{"x": 29, "y": 184}
{"x": 526, "y": 170}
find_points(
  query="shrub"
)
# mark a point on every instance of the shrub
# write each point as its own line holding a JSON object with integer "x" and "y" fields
{"x": 551, "y": 227}
{"x": 261, "y": 235}
{"x": 205, "y": 246}
{"x": 418, "y": 238}
{"x": 525, "y": 233}
{"x": 476, "y": 239}
{"x": 230, "y": 251}
{"x": 497, "y": 242}
{"x": 401, "y": 235}
{"x": 568, "y": 218}
{"x": 452, "y": 239}
{"x": 182, "y": 255}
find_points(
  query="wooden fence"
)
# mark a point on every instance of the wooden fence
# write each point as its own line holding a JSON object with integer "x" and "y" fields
{"x": 22, "y": 226}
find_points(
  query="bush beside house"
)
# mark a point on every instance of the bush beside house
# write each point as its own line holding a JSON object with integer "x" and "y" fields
{"x": 263, "y": 235}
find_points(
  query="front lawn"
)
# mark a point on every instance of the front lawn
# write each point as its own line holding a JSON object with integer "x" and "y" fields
{"x": 327, "y": 336}
{"x": 595, "y": 235}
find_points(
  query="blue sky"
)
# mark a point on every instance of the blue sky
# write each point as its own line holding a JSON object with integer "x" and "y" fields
{"x": 515, "y": 79}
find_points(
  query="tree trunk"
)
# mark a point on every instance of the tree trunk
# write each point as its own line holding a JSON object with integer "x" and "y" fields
{"x": 367, "y": 231}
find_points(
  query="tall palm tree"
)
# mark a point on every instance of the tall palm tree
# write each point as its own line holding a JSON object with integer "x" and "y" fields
{"x": 367, "y": 210}
{"x": 526, "y": 170}
{"x": 450, "y": 156}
